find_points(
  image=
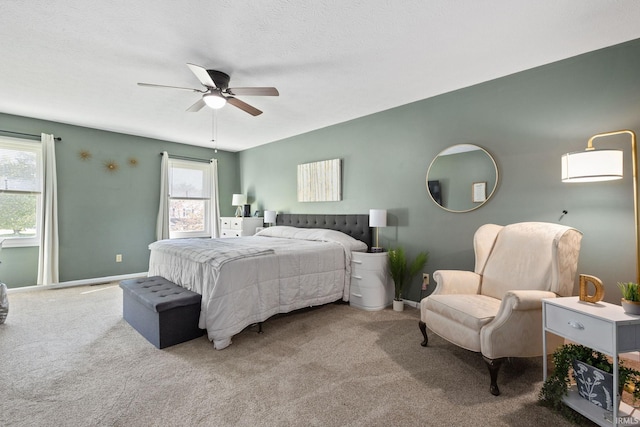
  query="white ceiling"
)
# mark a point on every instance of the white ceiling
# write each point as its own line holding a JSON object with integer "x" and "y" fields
{"x": 78, "y": 61}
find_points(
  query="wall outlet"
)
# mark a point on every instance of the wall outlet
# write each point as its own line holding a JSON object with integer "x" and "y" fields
{"x": 425, "y": 281}
{"x": 118, "y": 257}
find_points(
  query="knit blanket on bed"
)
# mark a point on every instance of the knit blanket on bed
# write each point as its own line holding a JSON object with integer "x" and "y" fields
{"x": 214, "y": 252}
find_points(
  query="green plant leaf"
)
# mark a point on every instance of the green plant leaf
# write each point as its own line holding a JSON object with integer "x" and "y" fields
{"x": 556, "y": 385}
{"x": 399, "y": 271}
{"x": 630, "y": 291}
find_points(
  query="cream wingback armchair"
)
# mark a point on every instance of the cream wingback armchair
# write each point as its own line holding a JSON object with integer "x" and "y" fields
{"x": 496, "y": 310}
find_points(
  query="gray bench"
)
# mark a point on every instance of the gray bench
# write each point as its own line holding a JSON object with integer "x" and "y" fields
{"x": 163, "y": 312}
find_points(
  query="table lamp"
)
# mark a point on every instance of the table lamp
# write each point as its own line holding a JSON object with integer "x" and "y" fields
{"x": 270, "y": 217}
{"x": 238, "y": 200}
{"x": 377, "y": 219}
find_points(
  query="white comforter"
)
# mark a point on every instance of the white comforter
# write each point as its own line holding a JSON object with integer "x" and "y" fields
{"x": 285, "y": 269}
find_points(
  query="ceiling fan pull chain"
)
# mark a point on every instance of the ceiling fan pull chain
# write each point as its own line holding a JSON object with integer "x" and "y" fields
{"x": 214, "y": 132}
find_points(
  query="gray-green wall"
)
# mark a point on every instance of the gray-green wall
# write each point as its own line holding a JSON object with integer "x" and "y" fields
{"x": 526, "y": 121}
{"x": 104, "y": 213}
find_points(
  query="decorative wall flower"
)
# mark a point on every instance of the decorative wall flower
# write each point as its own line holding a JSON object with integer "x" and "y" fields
{"x": 133, "y": 162}
{"x": 84, "y": 154}
{"x": 111, "y": 165}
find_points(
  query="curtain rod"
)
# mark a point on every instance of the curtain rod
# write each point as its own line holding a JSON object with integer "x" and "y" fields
{"x": 194, "y": 159}
{"x": 28, "y": 134}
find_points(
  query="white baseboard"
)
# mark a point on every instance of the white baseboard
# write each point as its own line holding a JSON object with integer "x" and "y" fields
{"x": 410, "y": 303}
{"x": 83, "y": 282}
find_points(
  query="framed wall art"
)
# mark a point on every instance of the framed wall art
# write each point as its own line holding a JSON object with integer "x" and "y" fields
{"x": 320, "y": 181}
{"x": 479, "y": 192}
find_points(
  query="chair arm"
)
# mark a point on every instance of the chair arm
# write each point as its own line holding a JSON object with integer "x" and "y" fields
{"x": 524, "y": 300}
{"x": 516, "y": 331}
{"x": 456, "y": 282}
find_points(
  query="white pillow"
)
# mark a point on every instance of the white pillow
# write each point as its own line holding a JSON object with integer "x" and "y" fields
{"x": 318, "y": 234}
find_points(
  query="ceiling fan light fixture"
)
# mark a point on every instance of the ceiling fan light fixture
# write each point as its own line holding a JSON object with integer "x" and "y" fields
{"x": 214, "y": 100}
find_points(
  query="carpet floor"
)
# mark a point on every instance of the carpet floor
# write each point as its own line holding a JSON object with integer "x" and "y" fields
{"x": 69, "y": 359}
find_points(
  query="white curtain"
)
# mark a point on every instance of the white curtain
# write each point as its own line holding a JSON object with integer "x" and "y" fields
{"x": 215, "y": 204}
{"x": 48, "y": 253}
{"x": 162, "y": 224}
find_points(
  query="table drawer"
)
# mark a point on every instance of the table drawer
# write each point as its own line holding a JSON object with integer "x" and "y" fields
{"x": 584, "y": 329}
{"x": 368, "y": 278}
{"x": 230, "y": 233}
{"x": 355, "y": 290}
{"x": 368, "y": 262}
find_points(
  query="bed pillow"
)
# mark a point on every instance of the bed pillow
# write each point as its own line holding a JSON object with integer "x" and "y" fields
{"x": 318, "y": 234}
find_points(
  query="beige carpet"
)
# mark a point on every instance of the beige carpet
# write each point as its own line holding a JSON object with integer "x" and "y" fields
{"x": 69, "y": 359}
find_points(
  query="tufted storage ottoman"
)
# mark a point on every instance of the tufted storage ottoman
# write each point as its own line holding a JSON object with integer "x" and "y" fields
{"x": 163, "y": 312}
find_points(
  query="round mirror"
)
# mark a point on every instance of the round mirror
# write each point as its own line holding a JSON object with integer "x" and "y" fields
{"x": 462, "y": 178}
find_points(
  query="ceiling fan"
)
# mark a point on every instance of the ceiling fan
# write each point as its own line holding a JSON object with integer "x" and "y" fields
{"x": 217, "y": 91}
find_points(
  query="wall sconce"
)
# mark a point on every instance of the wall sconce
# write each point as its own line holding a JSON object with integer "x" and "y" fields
{"x": 377, "y": 219}
{"x": 270, "y": 217}
{"x": 604, "y": 165}
{"x": 238, "y": 200}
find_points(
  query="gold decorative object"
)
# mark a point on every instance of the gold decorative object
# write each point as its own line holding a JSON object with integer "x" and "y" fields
{"x": 133, "y": 162}
{"x": 111, "y": 166}
{"x": 584, "y": 291}
{"x": 84, "y": 154}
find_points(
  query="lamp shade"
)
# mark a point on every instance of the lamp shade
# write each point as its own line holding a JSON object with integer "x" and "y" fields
{"x": 238, "y": 200}
{"x": 270, "y": 217}
{"x": 592, "y": 165}
{"x": 214, "y": 101}
{"x": 377, "y": 218}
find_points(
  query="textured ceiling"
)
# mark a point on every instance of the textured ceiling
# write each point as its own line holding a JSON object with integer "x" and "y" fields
{"x": 78, "y": 62}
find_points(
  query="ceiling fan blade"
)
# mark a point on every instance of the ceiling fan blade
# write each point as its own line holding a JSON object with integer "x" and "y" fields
{"x": 202, "y": 75}
{"x": 243, "y": 106}
{"x": 253, "y": 91}
{"x": 197, "y": 106}
{"x": 170, "y": 87}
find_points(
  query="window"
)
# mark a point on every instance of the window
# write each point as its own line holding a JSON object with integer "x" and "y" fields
{"x": 189, "y": 199}
{"x": 20, "y": 191}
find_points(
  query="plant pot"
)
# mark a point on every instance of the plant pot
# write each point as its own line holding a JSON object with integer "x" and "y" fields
{"x": 630, "y": 307}
{"x": 594, "y": 384}
{"x": 398, "y": 305}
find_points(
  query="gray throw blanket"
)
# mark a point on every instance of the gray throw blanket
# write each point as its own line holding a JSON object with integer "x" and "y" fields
{"x": 214, "y": 252}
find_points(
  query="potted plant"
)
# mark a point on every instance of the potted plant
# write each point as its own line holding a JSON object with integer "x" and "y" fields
{"x": 402, "y": 273}
{"x": 630, "y": 297}
{"x": 580, "y": 358}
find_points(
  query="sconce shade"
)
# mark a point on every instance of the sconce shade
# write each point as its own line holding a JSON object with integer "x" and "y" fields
{"x": 377, "y": 218}
{"x": 238, "y": 200}
{"x": 214, "y": 101}
{"x": 592, "y": 165}
{"x": 270, "y": 217}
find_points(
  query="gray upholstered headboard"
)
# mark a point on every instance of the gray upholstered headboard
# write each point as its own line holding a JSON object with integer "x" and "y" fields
{"x": 355, "y": 225}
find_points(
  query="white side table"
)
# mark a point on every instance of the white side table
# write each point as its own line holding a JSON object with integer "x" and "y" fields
{"x": 239, "y": 226}
{"x": 605, "y": 328}
{"x": 371, "y": 286}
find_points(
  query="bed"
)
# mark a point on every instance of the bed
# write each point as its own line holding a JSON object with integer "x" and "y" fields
{"x": 304, "y": 261}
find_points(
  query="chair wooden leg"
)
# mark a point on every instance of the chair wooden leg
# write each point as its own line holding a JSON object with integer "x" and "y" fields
{"x": 423, "y": 329}
{"x": 494, "y": 367}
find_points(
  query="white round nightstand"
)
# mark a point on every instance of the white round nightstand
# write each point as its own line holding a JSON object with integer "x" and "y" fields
{"x": 371, "y": 285}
